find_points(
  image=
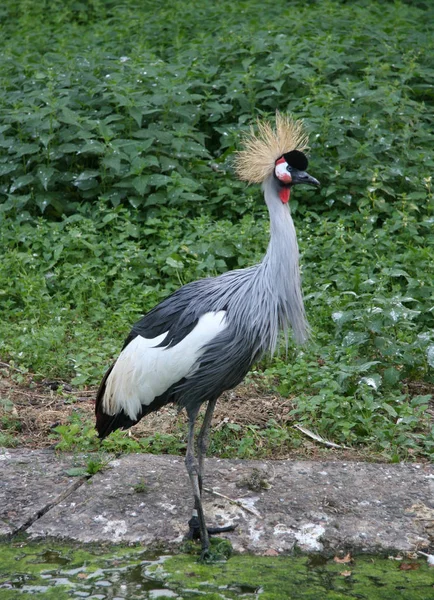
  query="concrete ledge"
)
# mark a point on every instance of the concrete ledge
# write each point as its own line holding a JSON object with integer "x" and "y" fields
{"x": 31, "y": 482}
{"x": 316, "y": 506}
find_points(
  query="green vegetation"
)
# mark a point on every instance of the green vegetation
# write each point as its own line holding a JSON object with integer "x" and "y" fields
{"x": 117, "y": 126}
{"x": 59, "y": 572}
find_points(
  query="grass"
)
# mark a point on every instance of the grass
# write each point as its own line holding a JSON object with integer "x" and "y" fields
{"x": 118, "y": 123}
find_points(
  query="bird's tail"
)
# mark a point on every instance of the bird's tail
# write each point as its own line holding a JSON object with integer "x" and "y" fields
{"x": 106, "y": 423}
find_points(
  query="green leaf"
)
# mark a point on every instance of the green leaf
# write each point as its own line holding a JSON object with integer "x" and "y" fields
{"x": 430, "y": 355}
{"x": 93, "y": 147}
{"x": 24, "y": 149}
{"x": 176, "y": 263}
{"x": 141, "y": 184}
{"x": 76, "y": 472}
{"x": 373, "y": 380}
{"x": 20, "y": 182}
{"x": 354, "y": 338}
{"x": 68, "y": 116}
{"x": 391, "y": 376}
{"x": 158, "y": 180}
{"x": 45, "y": 174}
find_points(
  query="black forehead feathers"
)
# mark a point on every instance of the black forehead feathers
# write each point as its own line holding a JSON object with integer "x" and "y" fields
{"x": 296, "y": 160}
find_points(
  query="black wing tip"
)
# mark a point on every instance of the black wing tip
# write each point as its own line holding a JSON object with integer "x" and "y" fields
{"x": 106, "y": 424}
{"x": 102, "y": 425}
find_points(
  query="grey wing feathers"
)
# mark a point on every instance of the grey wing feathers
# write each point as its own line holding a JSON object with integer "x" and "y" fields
{"x": 224, "y": 364}
{"x": 226, "y": 359}
{"x": 170, "y": 315}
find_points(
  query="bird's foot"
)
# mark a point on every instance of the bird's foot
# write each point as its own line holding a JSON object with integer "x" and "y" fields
{"x": 205, "y": 555}
{"x": 194, "y": 529}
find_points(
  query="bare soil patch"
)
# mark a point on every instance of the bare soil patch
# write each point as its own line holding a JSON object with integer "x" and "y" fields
{"x": 30, "y": 410}
{"x": 36, "y": 408}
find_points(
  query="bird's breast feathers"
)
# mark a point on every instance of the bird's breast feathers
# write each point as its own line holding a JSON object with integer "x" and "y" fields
{"x": 145, "y": 369}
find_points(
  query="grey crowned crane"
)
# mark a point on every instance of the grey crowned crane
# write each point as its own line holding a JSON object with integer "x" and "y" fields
{"x": 204, "y": 338}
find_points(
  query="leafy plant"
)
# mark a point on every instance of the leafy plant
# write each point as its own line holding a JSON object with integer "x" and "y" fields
{"x": 77, "y": 435}
{"x": 141, "y": 488}
{"x": 116, "y": 188}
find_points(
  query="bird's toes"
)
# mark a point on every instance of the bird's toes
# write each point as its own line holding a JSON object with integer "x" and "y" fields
{"x": 205, "y": 555}
{"x": 193, "y": 529}
{"x": 215, "y": 530}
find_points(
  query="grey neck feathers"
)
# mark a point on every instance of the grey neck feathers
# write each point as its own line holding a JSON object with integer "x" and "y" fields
{"x": 277, "y": 279}
{"x": 264, "y": 299}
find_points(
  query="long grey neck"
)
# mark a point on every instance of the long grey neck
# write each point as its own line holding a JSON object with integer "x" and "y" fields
{"x": 279, "y": 271}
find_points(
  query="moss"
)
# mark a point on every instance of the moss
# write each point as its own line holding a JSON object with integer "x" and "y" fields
{"x": 60, "y": 571}
{"x": 52, "y": 570}
{"x": 296, "y": 577}
{"x": 256, "y": 481}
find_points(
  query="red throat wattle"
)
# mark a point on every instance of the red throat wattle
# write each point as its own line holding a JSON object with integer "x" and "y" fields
{"x": 284, "y": 194}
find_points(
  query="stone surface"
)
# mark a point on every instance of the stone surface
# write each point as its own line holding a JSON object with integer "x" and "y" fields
{"x": 324, "y": 506}
{"x": 31, "y": 481}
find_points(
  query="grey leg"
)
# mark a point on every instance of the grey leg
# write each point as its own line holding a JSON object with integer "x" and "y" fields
{"x": 203, "y": 439}
{"x": 193, "y": 472}
{"x": 197, "y": 525}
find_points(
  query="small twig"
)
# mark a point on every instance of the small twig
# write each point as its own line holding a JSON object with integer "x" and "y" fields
{"x": 232, "y": 501}
{"x": 54, "y": 399}
{"x": 222, "y": 422}
{"x": 81, "y": 392}
{"x": 430, "y": 557}
{"x": 8, "y": 366}
{"x": 85, "y": 399}
{"x": 318, "y": 438}
{"x": 32, "y": 395}
{"x": 271, "y": 479}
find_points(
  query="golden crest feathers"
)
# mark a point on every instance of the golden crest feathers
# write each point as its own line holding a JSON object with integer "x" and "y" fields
{"x": 255, "y": 162}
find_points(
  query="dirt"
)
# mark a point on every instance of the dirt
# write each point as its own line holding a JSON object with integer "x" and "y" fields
{"x": 30, "y": 410}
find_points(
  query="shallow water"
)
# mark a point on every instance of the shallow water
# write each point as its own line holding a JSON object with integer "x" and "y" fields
{"x": 53, "y": 571}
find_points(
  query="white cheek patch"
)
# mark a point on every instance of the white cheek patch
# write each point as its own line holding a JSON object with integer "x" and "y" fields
{"x": 281, "y": 172}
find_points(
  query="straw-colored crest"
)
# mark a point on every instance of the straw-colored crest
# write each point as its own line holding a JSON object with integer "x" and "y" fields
{"x": 255, "y": 162}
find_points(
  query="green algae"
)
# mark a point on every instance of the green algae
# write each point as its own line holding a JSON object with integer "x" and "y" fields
{"x": 275, "y": 578}
{"x": 59, "y": 571}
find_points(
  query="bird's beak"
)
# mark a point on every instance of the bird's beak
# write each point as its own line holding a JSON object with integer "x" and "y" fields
{"x": 303, "y": 177}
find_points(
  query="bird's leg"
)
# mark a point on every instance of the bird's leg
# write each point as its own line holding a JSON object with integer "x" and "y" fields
{"x": 197, "y": 521}
{"x": 202, "y": 447}
{"x": 203, "y": 439}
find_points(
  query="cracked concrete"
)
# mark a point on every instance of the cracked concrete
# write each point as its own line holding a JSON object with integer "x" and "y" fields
{"x": 31, "y": 482}
{"x": 316, "y": 507}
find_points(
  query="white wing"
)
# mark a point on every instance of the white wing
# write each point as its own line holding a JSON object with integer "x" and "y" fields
{"x": 143, "y": 371}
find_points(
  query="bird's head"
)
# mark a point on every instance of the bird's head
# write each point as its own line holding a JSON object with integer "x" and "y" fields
{"x": 290, "y": 170}
{"x": 275, "y": 153}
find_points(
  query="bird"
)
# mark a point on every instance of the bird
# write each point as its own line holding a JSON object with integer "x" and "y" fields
{"x": 204, "y": 338}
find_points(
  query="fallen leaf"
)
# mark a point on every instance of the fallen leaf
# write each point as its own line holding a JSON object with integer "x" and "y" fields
{"x": 346, "y": 573}
{"x": 271, "y": 552}
{"x": 409, "y": 566}
{"x": 345, "y": 559}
